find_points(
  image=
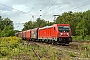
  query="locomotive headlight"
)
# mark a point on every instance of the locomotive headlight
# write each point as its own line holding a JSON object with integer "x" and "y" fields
{"x": 60, "y": 34}
{"x": 68, "y": 34}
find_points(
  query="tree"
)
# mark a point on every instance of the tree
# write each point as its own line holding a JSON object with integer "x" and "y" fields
{"x": 40, "y": 23}
{"x": 28, "y": 25}
{"x": 0, "y": 23}
{"x": 7, "y": 31}
{"x": 36, "y": 24}
{"x": 86, "y": 16}
{"x": 82, "y": 28}
{"x": 5, "y": 22}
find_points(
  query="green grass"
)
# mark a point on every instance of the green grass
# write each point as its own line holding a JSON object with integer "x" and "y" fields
{"x": 87, "y": 38}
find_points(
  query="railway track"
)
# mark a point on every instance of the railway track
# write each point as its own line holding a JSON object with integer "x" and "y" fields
{"x": 71, "y": 48}
{"x": 36, "y": 54}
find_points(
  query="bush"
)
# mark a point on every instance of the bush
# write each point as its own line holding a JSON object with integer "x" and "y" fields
{"x": 14, "y": 45}
{"x": 4, "y": 51}
{"x": 8, "y": 44}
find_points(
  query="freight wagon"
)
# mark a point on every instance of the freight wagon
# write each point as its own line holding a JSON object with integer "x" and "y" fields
{"x": 28, "y": 34}
{"x": 23, "y": 34}
{"x": 34, "y": 34}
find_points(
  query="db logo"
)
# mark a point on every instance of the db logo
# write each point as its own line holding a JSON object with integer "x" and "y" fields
{"x": 63, "y": 33}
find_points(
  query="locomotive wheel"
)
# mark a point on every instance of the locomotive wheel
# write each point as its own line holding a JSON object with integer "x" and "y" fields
{"x": 49, "y": 41}
{"x": 53, "y": 42}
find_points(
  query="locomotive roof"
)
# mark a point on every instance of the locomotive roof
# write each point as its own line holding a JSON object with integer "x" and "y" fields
{"x": 61, "y": 24}
{"x": 54, "y": 25}
{"x": 46, "y": 27}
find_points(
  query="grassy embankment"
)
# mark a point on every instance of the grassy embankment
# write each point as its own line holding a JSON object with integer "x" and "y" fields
{"x": 79, "y": 38}
{"x": 14, "y": 49}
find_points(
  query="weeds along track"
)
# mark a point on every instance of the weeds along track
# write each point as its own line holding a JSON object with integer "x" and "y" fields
{"x": 36, "y": 54}
{"x": 74, "y": 46}
{"x": 33, "y": 49}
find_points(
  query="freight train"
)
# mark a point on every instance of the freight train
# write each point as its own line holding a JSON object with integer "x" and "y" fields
{"x": 56, "y": 33}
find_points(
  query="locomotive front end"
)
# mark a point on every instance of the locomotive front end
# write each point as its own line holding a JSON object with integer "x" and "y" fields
{"x": 64, "y": 34}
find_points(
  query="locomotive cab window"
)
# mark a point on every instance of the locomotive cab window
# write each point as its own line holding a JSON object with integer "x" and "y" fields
{"x": 63, "y": 28}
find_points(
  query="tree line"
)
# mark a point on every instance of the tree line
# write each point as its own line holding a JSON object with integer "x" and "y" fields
{"x": 79, "y": 22}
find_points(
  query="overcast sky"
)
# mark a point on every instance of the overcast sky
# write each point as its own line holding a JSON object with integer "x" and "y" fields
{"x": 21, "y": 11}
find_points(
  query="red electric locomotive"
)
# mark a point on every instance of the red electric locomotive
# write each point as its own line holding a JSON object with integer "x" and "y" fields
{"x": 60, "y": 33}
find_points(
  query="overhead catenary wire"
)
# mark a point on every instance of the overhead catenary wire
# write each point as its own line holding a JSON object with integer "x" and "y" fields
{"x": 62, "y": 4}
{"x": 50, "y": 6}
{"x": 80, "y": 6}
{"x": 44, "y": 7}
{"x": 46, "y": 4}
{"x": 54, "y": 9}
{"x": 30, "y": 10}
{"x": 45, "y": 12}
{"x": 16, "y": 9}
